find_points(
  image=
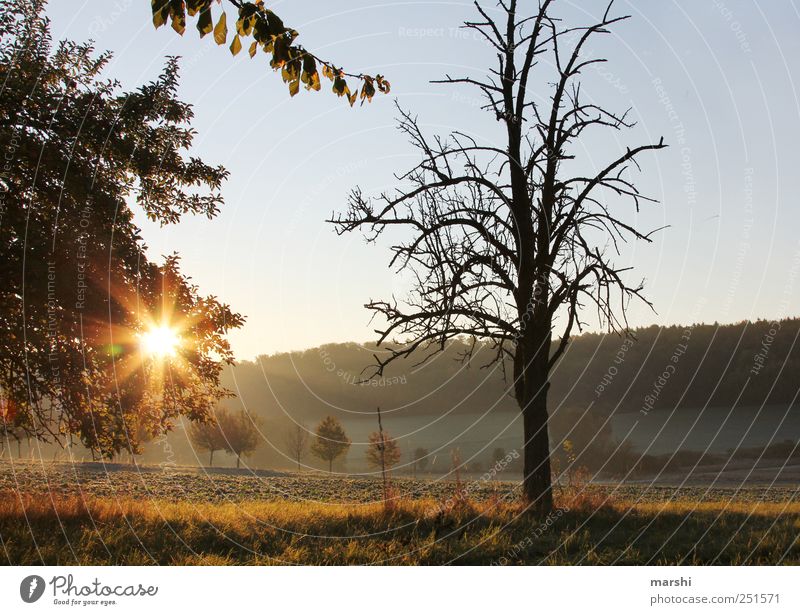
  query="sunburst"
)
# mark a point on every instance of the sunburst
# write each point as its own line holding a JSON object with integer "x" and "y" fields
{"x": 160, "y": 341}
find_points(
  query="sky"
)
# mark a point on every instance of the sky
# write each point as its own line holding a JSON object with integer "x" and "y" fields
{"x": 718, "y": 80}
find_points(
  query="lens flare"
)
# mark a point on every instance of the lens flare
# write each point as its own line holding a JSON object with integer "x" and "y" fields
{"x": 160, "y": 341}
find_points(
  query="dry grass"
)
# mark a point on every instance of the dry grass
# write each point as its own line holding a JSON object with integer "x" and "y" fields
{"x": 585, "y": 530}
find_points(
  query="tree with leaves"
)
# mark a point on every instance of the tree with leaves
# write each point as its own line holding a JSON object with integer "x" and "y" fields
{"x": 509, "y": 242}
{"x": 296, "y": 440}
{"x": 82, "y": 159}
{"x": 330, "y": 442}
{"x": 207, "y": 435}
{"x": 254, "y": 21}
{"x": 240, "y": 433}
{"x": 383, "y": 451}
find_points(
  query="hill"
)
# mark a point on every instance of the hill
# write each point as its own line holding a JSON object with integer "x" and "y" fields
{"x": 748, "y": 363}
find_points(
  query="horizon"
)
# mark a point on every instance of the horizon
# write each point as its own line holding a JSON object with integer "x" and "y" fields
{"x": 574, "y": 336}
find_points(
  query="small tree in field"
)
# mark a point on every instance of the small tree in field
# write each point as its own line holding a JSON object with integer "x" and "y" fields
{"x": 296, "y": 440}
{"x": 331, "y": 441}
{"x": 240, "y": 433}
{"x": 382, "y": 451}
{"x": 420, "y": 459}
{"x": 498, "y": 454}
{"x": 511, "y": 237}
{"x": 208, "y": 437}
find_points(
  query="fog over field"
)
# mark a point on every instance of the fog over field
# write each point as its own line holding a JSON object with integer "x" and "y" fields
{"x": 611, "y": 394}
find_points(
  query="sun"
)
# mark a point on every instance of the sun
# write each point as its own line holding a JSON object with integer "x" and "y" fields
{"x": 160, "y": 341}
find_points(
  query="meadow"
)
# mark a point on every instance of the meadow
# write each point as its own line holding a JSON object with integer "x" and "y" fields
{"x": 442, "y": 522}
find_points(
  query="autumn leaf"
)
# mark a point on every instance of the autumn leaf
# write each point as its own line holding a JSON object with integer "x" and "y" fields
{"x": 221, "y": 30}
{"x": 236, "y": 45}
{"x": 159, "y": 13}
{"x": 179, "y": 23}
{"x": 260, "y": 27}
{"x": 204, "y": 22}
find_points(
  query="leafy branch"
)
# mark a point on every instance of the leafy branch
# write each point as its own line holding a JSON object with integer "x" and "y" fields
{"x": 268, "y": 32}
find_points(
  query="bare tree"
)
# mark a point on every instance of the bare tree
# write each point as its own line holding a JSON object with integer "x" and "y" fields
{"x": 509, "y": 242}
{"x": 296, "y": 440}
{"x": 383, "y": 452}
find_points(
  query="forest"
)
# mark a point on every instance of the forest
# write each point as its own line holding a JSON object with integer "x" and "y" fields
{"x": 748, "y": 363}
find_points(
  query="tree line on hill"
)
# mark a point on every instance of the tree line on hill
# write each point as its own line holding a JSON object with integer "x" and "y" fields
{"x": 656, "y": 368}
{"x": 280, "y": 395}
{"x": 748, "y": 364}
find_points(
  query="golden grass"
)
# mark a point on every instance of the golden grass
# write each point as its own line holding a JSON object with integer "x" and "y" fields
{"x": 683, "y": 507}
{"x": 70, "y": 530}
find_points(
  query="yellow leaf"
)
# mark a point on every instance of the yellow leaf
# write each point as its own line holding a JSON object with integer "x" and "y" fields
{"x": 221, "y": 31}
{"x": 158, "y": 19}
{"x": 179, "y": 24}
{"x": 236, "y": 45}
{"x": 253, "y": 47}
{"x": 294, "y": 87}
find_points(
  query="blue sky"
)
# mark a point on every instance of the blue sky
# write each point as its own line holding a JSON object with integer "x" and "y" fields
{"x": 717, "y": 79}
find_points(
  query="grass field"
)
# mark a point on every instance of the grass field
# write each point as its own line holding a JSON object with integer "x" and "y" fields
{"x": 583, "y": 530}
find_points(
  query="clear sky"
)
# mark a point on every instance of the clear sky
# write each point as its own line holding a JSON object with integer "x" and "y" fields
{"x": 719, "y": 80}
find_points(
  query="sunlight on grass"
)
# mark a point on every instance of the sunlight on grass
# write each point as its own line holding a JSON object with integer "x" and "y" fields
{"x": 72, "y": 530}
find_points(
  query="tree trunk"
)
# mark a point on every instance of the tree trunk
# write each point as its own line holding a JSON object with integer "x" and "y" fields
{"x": 298, "y": 463}
{"x": 238, "y": 461}
{"x": 211, "y": 459}
{"x": 330, "y": 466}
{"x": 537, "y": 484}
{"x": 531, "y": 373}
